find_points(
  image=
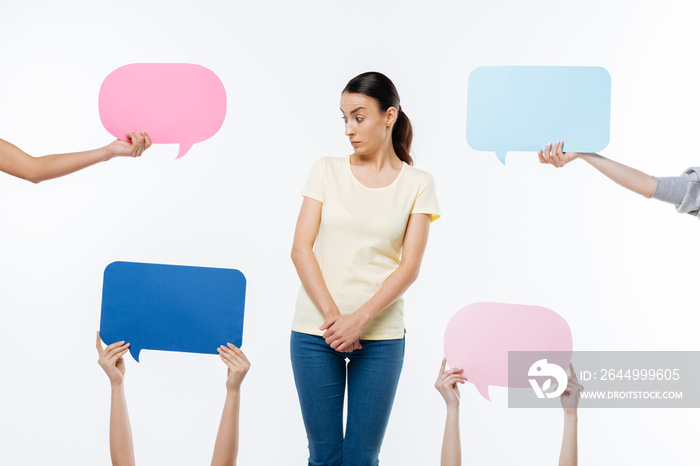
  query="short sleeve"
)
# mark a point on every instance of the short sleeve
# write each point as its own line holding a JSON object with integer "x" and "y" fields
{"x": 426, "y": 200}
{"x": 314, "y": 185}
{"x": 682, "y": 191}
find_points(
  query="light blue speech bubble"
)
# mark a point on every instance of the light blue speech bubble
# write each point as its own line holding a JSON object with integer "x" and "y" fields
{"x": 522, "y": 108}
{"x": 172, "y": 307}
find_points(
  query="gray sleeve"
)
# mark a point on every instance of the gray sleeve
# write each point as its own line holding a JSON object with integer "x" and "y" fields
{"x": 682, "y": 191}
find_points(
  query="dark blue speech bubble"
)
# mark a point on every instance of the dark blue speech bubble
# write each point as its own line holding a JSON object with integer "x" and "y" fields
{"x": 172, "y": 307}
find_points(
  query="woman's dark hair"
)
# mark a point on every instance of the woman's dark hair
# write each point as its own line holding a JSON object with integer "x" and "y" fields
{"x": 381, "y": 89}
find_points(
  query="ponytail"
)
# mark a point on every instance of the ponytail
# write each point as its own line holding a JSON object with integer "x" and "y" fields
{"x": 401, "y": 137}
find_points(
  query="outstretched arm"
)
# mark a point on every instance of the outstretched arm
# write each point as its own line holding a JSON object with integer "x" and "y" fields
{"x": 121, "y": 446}
{"x": 446, "y": 384}
{"x": 569, "y": 401}
{"x": 16, "y": 162}
{"x": 226, "y": 446}
{"x": 342, "y": 330}
{"x": 625, "y": 176}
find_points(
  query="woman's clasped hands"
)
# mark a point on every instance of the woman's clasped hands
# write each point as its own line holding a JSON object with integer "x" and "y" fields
{"x": 342, "y": 332}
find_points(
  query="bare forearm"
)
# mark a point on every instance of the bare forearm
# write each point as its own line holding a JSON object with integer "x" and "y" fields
{"x": 391, "y": 290}
{"x": 569, "y": 444}
{"x": 627, "y": 177}
{"x": 451, "y": 445}
{"x": 312, "y": 280}
{"x": 121, "y": 445}
{"x": 226, "y": 447}
{"x": 57, "y": 165}
{"x": 16, "y": 162}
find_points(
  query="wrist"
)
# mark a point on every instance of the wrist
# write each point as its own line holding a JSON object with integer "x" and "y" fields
{"x": 106, "y": 153}
{"x": 233, "y": 392}
{"x": 362, "y": 317}
{"x": 570, "y": 415}
{"x": 587, "y": 156}
{"x": 453, "y": 408}
{"x": 117, "y": 385}
{"x": 330, "y": 312}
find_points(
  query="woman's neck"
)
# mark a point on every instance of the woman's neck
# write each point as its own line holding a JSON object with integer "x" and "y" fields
{"x": 378, "y": 160}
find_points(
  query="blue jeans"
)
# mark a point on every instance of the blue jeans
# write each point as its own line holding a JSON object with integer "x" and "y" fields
{"x": 320, "y": 374}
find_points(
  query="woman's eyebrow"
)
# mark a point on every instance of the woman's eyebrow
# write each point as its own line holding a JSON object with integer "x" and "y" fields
{"x": 358, "y": 108}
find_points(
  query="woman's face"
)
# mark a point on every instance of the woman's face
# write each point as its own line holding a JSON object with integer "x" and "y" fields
{"x": 366, "y": 125}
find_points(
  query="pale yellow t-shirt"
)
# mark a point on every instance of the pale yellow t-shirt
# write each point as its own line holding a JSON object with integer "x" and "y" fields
{"x": 360, "y": 240}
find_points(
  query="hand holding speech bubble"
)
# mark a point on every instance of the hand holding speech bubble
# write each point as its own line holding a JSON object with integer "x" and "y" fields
{"x": 521, "y": 108}
{"x": 175, "y": 103}
{"x": 479, "y": 336}
{"x": 172, "y": 307}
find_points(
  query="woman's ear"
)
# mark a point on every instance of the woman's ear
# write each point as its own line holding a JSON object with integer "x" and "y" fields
{"x": 391, "y": 116}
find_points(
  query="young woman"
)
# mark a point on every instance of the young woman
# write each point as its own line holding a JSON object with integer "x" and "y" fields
{"x": 682, "y": 191}
{"x": 16, "y": 162}
{"x": 368, "y": 215}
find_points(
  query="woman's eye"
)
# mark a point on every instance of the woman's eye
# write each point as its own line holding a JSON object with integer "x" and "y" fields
{"x": 359, "y": 119}
{"x": 345, "y": 120}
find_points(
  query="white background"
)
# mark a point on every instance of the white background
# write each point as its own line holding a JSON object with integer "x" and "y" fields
{"x": 621, "y": 269}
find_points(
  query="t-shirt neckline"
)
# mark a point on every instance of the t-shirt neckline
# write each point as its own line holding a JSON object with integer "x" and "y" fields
{"x": 352, "y": 175}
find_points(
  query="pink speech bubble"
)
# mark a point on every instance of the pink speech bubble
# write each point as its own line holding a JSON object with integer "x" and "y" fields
{"x": 479, "y": 336}
{"x": 175, "y": 103}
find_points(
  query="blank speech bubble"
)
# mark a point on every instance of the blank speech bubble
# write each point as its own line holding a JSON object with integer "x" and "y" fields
{"x": 172, "y": 307}
{"x": 479, "y": 336}
{"x": 522, "y": 108}
{"x": 175, "y": 103}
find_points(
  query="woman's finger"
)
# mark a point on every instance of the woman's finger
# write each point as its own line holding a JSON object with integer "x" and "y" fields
{"x": 224, "y": 353}
{"x": 116, "y": 350}
{"x": 112, "y": 347}
{"x": 547, "y": 152}
{"x": 233, "y": 356}
{"x": 237, "y": 350}
{"x": 559, "y": 154}
{"x": 117, "y": 355}
{"x": 453, "y": 379}
{"x": 226, "y": 361}
{"x": 98, "y": 343}
{"x": 138, "y": 144}
{"x": 327, "y": 324}
{"x": 231, "y": 363}
{"x": 146, "y": 139}
{"x": 335, "y": 343}
{"x": 572, "y": 371}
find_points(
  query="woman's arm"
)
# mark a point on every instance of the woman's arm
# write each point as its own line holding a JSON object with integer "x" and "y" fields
{"x": 226, "y": 446}
{"x": 446, "y": 384}
{"x": 306, "y": 264}
{"x": 625, "y": 176}
{"x": 16, "y": 162}
{"x": 305, "y": 261}
{"x": 121, "y": 445}
{"x": 569, "y": 401}
{"x": 343, "y": 330}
